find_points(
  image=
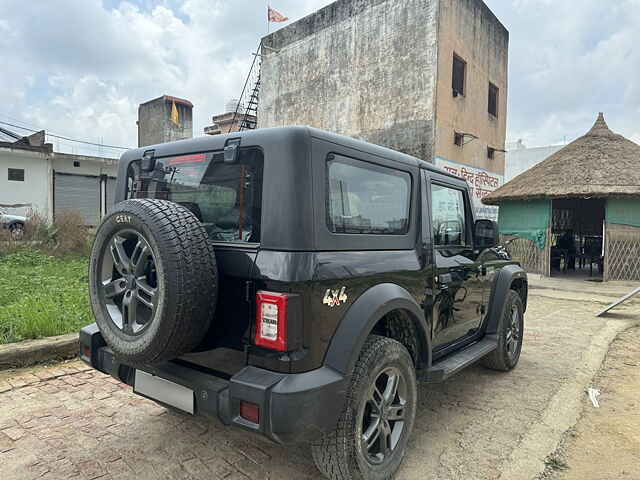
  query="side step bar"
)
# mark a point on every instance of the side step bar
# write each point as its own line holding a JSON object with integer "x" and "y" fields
{"x": 452, "y": 364}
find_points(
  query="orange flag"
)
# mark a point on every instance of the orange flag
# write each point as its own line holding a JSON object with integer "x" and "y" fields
{"x": 275, "y": 17}
{"x": 174, "y": 114}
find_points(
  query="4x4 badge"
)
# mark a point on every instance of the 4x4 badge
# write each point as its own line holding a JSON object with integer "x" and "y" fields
{"x": 334, "y": 297}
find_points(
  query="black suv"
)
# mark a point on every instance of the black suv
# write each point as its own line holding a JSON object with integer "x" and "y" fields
{"x": 297, "y": 284}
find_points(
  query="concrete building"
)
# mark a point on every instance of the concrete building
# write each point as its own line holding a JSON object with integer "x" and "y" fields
{"x": 425, "y": 77}
{"x": 35, "y": 178}
{"x": 229, "y": 121}
{"x": 519, "y": 158}
{"x": 157, "y": 122}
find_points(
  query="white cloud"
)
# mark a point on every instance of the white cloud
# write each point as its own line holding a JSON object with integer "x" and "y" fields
{"x": 85, "y": 68}
{"x": 81, "y": 67}
{"x": 568, "y": 61}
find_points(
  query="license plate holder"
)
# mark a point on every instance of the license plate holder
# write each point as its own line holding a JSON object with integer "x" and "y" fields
{"x": 164, "y": 391}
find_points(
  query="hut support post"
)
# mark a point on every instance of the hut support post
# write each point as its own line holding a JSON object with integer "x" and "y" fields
{"x": 546, "y": 268}
{"x": 605, "y": 249}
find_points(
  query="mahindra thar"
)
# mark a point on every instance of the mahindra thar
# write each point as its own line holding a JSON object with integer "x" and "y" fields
{"x": 298, "y": 284}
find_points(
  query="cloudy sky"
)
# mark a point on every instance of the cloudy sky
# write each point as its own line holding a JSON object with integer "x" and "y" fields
{"x": 79, "y": 68}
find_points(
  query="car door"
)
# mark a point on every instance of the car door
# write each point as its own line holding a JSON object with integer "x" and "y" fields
{"x": 457, "y": 309}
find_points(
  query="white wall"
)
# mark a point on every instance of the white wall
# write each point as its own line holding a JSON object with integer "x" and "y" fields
{"x": 35, "y": 192}
{"x": 522, "y": 159}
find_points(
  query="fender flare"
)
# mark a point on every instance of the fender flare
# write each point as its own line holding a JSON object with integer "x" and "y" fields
{"x": 500, "y": 288}
{"x": 362, "y": 316}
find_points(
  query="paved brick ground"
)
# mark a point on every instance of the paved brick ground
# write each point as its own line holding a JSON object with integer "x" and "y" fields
{"x": 69, "y": 421}
{"x": 66, "y": 421}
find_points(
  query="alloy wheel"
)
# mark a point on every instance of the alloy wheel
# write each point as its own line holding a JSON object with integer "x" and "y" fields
{"x": 383, "y": 416}
{"x": 513, "y": 332}
{"x": 130, "y": 282}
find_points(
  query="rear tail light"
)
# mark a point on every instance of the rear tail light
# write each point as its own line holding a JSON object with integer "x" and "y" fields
{"x": 250, "y": 411}
{"x": 86, "y": 351}
{"x": 271, "y": 320}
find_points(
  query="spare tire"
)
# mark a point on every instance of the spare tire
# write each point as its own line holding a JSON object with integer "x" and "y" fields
{"x": 153, "y": 280}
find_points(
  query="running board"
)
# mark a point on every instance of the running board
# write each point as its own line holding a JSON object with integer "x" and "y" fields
{"x": 452, "y": 364}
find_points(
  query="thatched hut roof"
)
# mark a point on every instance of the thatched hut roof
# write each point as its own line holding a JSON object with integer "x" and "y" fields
{"x": 598, "y": 164}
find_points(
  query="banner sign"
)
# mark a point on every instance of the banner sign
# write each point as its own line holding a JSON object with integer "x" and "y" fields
{"x": 481, "y": 183}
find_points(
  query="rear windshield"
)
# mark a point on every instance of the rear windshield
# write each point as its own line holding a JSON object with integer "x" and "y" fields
{"x": 226, "y": 198}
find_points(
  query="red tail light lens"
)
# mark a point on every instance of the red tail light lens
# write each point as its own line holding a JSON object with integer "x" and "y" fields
{"x": 271, "y": 320}
{"x": 250, "y": 411}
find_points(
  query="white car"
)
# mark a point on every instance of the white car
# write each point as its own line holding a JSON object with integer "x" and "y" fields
{"x": 14, "y": 223}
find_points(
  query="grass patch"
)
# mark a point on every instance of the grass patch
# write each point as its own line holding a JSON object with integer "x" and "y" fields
{"x": 42, "y": 295}
{"x": 555, "y": 463}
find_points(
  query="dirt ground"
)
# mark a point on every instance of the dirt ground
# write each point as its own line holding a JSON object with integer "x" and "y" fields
{"x": 605, "y": 443}
{"x": 60, "y": 421}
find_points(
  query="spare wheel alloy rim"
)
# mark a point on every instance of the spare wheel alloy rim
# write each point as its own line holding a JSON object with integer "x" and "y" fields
{"x": 129, "y": 281}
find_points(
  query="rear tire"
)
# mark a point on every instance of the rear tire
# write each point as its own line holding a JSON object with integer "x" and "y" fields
{"x": 152, "y": 280}
{"x": 510, "y": 334}
{"x": 369, "y": 444}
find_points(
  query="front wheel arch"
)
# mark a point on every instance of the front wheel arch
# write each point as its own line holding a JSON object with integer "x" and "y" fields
{"x": 510, "y": 277}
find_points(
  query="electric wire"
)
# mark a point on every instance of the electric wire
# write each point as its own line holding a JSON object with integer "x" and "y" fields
{"x": 66, "y": 138}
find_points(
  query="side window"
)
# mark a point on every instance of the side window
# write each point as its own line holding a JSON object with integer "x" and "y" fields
{"x": 449, "y": 216}
{"x": 363, "y": 198}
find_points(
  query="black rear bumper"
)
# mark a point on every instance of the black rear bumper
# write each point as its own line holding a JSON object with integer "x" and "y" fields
{"x": 294, "y": 408}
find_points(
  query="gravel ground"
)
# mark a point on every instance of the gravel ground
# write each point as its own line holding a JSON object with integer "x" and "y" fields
{"x": 605, "y": 443}
{"x": 63, "y": 421}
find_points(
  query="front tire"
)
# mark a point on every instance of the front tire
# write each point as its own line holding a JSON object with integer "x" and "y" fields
{"x": 378, "y": 416}
{"x": 510, "y": 332}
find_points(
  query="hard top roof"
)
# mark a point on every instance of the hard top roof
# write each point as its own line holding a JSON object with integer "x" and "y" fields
{"x": 288, "y": 133}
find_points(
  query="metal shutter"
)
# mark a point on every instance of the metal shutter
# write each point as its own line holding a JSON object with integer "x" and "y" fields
{"x": 111, "y": 192}
{"x": 80, "y": 192}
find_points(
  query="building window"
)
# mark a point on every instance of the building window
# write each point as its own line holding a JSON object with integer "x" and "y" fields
{"x": 491, "y": 152}
{"x": 16, "y": 174}
{"x": 493, "y": 100}
{"x": 363, "y": 198}
{"x": 76, "y": 164}
{"x": 458, "y": 139}
{"x": 457, "y": 76}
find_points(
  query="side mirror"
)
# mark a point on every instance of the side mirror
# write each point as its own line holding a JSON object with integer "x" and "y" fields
{"x": 486, "y": 234}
